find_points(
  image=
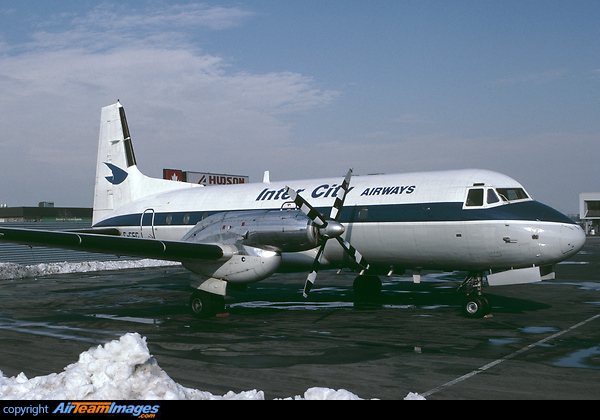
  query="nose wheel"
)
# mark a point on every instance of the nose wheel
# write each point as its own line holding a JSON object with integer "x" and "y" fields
{"x": 475, "y": 304}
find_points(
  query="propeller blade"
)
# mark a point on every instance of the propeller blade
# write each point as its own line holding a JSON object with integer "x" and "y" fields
{"x": 327, "y": 229}
{"x": 306, "y": 208}
{"x": 312, "y": 276}
{"x": 339, "y": 199}
{"x": 354, "y": 254}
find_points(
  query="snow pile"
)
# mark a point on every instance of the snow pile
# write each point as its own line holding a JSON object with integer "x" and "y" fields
{"x": 121, "y": 369}
{"x": 10, "y": 271}
{"x": 326, "y": 394}
{"x": 124, "y": 370}
{"x": 414, "y": 396}
{"x": 318, "y": 393}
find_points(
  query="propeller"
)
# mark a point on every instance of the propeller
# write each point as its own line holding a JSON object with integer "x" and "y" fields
{"x": 328, "y": 228}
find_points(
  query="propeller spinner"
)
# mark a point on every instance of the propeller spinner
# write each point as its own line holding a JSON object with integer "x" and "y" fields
{"x": 328, "y": 229}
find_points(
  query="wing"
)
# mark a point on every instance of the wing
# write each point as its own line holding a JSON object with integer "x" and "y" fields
{"x": 117, "y": 245}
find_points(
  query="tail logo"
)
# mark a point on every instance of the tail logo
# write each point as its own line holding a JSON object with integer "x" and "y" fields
{"x": 118, "y": 174}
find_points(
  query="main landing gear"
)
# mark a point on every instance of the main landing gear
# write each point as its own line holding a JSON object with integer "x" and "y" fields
{"x": 206, "y": 305}
{"x": 475, "y": 304}
{"x": 367, "y": 289}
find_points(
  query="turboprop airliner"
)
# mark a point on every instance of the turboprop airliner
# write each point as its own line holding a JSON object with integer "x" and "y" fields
{"x": 476, "y": 221}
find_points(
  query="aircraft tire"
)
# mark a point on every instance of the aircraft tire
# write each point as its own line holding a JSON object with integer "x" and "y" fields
{"x": 366, "y": 288}
{"x": 205, "y": 305}
{"x": 476, "y": 306}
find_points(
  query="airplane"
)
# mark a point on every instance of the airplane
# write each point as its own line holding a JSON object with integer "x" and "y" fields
{"x": 472, "y": 220}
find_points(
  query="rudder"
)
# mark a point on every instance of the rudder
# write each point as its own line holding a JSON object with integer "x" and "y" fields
{"x": 118, "y": 180}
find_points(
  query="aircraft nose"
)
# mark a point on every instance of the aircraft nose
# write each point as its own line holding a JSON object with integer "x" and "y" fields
{"x": 572, "y": 239}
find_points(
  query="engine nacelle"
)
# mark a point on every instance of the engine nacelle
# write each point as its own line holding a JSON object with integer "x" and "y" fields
{"x": 254, "y": 241}
{"x": 254, "y": 265}
{"x": 274, "y": 230}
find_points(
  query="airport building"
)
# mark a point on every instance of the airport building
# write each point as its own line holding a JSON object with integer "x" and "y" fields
{"x": 45, "y": 212}
{"x": 589, "y": 212}
{"x": 46, "y": 216}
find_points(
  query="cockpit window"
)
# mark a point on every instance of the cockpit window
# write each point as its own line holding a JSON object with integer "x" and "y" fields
{"x": 475, "y": 197}
{"x": 492, "y": 197}
{"x": 511, "y": 194}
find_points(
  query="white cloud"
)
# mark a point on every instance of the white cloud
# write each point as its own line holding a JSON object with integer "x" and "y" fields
{"x": 184, "y": 106}
{"x": 212, "y": 17}
{"x": 109, "y": 26}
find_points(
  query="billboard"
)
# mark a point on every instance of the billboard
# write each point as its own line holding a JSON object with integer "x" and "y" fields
{"x": 204, "y": 178}
{"x": 208, "y": 179}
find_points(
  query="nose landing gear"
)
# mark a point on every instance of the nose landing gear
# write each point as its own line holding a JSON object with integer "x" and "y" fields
{"x": 475, "y": 304}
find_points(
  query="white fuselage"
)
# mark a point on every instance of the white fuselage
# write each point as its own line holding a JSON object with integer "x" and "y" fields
{"x": 424, "y": 220}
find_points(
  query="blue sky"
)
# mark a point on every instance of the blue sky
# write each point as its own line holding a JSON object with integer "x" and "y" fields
{"x": 303, "y": 89}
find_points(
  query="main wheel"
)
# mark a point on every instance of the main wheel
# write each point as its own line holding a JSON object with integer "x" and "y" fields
{"x": 367, "y": 288}
{"x": 476, "y": 306}
{"x": 205, "y": 305}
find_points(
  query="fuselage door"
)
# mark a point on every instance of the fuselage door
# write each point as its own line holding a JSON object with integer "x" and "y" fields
{"x": 147, "y": 223}
{"x": 482, "y": 236}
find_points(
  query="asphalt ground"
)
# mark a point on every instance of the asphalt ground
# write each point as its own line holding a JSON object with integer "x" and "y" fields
{"x": 542, "y": 341}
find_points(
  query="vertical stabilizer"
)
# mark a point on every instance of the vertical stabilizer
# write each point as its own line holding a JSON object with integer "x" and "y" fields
{"x": 118, "y": 180}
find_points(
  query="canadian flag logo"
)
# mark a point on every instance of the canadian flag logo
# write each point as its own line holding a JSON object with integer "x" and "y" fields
{"x": 173, "y": 174}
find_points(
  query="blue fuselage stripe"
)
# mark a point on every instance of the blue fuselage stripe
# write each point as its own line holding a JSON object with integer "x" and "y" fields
{"x": 393, "y": 213}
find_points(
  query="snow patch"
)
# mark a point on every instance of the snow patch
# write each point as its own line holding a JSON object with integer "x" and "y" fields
{"x": 11, "y": 271}
{"x": 123, "y": 369}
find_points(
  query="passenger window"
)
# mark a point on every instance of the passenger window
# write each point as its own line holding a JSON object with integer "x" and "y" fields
{"x": 492, "y": 197}
{"x": 363, "y": 213}
{"x": 475, "y": 197}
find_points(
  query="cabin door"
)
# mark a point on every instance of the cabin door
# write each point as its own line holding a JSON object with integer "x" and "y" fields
{"x": 147, "y": 224}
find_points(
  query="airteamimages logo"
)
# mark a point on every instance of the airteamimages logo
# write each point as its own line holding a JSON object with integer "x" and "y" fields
{"x": 141, "y": 411}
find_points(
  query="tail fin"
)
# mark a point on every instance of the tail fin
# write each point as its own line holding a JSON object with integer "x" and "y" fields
{"x": 118, "y": 180}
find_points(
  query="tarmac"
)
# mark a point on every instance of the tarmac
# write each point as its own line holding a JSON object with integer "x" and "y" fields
{"x": 541, "y": 341}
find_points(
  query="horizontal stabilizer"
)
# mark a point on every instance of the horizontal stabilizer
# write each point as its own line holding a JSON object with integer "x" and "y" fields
{"x": 519, "y": 276}
{"x": 116, "y": 245}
